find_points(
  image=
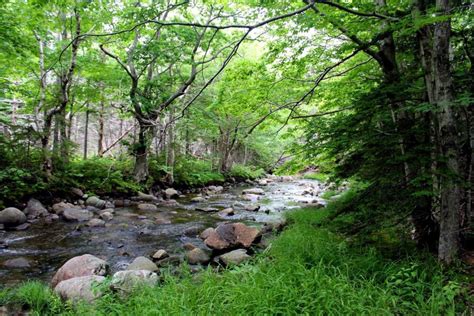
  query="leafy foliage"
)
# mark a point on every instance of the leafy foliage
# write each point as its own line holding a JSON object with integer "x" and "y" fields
{"x": 194, "y": 173}
{"x": 242, "y": 172}
{"x": 100, "y": 176}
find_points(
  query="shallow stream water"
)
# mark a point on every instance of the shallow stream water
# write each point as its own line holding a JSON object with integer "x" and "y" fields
{"x": 134, "y": 232}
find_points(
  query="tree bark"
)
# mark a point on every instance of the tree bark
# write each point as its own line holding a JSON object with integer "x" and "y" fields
{"x": 100, "y": 144}
{"x": 170, "y": 157}
{"x": 450, "y": 179}
{"x": 140, "y": 171}
{"x": 64, "y": 150}
{"x": 86, "y": 132}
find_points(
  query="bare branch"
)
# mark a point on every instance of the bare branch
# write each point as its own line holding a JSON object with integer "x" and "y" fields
{"x": 358, "y": 13}
{"x": 323, "y": 113}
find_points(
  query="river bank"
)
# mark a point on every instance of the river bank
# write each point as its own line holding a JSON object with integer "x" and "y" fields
{"x": 309, "y": 269}
{"x": 144, "y": 224}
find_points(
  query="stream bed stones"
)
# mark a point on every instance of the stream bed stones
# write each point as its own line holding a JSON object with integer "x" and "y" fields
{"x": 232, "y": 235}
{"x": 79, "y": 266}
{"x": 131, "y": 232}
{"x": 11, "y": 217}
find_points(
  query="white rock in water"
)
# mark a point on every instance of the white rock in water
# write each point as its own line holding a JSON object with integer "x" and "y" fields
{"x": 106, "y": 216}
{"x": 147, "y": 207}
{"x": 170, "y": 193}
{"x": 256, "y": 191}
{"x": 77, "y": 215}
{"x": 95, "y": 222}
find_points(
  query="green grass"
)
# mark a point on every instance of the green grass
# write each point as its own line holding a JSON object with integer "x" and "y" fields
{"x": 310, "y": 269}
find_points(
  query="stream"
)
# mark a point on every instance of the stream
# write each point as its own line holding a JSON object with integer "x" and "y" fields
{"x": 133, "y": 232}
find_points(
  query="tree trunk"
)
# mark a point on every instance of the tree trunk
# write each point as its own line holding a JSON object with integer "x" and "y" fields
{"x": 86, "y": 132}
{"x": 47, "y": 163}
{"x": 187, "y": 146}
{"x": 56, "y": 135}
{"x": 450, "y": 179}
{"x": 64, "y": 144}
{"x": 140, "y": 171}
{"x": 100, "y": 144}
{"x": 65, "y": 82}
{"x": 170, "y": 159}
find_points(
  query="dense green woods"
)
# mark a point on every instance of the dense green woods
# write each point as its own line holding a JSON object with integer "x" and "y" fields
{"x": 116, "y": 97}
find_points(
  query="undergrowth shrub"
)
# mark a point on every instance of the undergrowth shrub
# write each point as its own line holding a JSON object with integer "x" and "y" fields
{"x": 99, "y": 176}
{"x": 322, "y": 177}
{"x": 192, "y": 172}
{"x": 242, "y": 172}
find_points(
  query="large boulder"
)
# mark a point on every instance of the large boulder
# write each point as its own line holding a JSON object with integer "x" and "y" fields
{"x": 234, "y": 257}
{"x": 232, "y": 235}
{"x": 85, "y": 265}
{"x": 171, "y": 193}
{"x": 80, "y": 288}
{"x": 60, "y": 207}
{"x": 256, "y": 191}
{"x": 142, "y": 263}
{"x": 77, "y": 215}
{"x": 126, "y": 281}
{"x": 35, "y": 209}
{"x": 11, "y": 217}
{"x": 197, "y": 256}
